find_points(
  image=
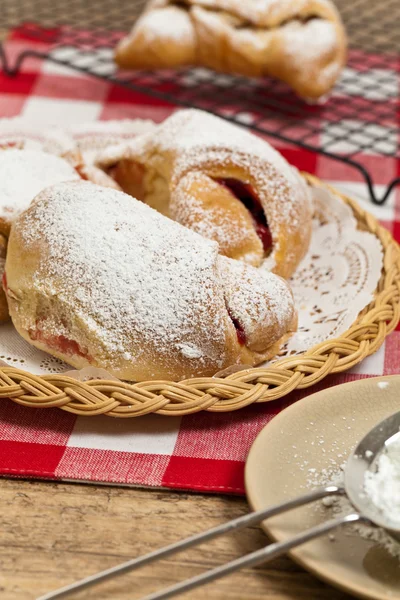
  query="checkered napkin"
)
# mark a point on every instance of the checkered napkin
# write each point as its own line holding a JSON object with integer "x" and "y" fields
{"x": 204, "y": 451}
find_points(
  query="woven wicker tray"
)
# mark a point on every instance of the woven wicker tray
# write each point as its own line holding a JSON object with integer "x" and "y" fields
{"x": 262, "y": 384}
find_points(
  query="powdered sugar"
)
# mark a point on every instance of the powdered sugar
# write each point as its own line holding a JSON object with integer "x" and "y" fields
{"x": 143, "y": 300}
{"x": 260, "y": 301}
{"x": 383, "y": 484}
{"x": 170, "y": 22}
{"x": 299, "y": 41}
{"x": 93, "y": 137}
{"x": 193, "y": 133}
{"x": 316, "y": 296}
{"x": 21, "y": 133}
{"x": 24, "y": 173}
{"x": 307, "y": 42}
{"x": 341, "y": 506}
{"x": 192, "y": 140}
{"x": 189, "y": 350}
{"x": 262, "y": 13}
{"x": 216, "y": 222}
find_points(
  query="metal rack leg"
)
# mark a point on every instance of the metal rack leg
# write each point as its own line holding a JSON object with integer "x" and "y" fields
{"x": 12, "y": 71}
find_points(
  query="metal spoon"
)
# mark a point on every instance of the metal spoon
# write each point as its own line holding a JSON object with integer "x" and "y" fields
{"x": 360, "y": 460}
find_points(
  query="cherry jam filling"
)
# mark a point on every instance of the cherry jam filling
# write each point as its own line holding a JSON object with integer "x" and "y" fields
{"x": 80, "y": 169}
{"x": 241, "y": 336}
{"x": 246, "y": 194}
{"x": 16, "y": 144}
{"x": 59, "y": 342}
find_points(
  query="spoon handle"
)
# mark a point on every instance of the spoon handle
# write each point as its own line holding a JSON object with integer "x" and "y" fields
{"x": 199, "y": 538}
{"x": 254, "y": 558}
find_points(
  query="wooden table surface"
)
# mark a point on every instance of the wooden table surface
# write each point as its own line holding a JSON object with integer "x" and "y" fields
{"x": 52, "y": 534}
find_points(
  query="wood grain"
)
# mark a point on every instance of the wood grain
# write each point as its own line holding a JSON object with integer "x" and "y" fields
{"x": 52, "y": 534}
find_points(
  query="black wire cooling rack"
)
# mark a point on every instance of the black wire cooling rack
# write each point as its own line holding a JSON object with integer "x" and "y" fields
{"x": 360, "y": 119}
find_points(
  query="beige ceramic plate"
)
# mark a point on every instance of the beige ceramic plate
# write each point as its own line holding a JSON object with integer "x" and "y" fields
{"x": 311, "y": 434}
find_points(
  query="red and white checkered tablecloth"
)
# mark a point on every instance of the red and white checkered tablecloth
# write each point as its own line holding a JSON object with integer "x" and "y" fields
{"x": 205, "y": 451}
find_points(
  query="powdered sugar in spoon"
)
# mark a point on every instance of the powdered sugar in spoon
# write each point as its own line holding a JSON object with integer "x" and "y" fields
{"x": 360, "y": 461}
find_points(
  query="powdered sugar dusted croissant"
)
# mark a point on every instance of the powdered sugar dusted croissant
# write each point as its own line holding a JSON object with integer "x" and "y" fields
{"x": 301, "y": 42}
{"x": 19, "y": 133}
{"x": 24, "y": 173}
{"x": 97, "y": 278}
{"x": 94, "y": 136}
{"x": 22, "y": 133}
{"x": 222, "y": 182}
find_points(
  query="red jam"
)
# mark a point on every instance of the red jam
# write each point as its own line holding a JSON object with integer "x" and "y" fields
{"x": 241, "y": 336}
{"x": 16, "y": 144}
{"x": 4, "y": 281}
{"x": 80, "y": 169}
{"x": 60, "y": 343}
{"x": 246, "y": 194}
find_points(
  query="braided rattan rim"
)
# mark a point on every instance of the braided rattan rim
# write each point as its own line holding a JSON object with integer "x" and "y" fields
{"x": 120, "y": 399}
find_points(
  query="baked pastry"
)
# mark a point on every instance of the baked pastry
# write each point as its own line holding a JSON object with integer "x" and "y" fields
{"x": 20, "y": 133}
{"x": 91, "y": 138}
{"x": 23, "y": 174}
{"x": 301, "y": 42}
{"x": 96, "y": 278}
{"x": 4, "y": 316}
{"x": 222, "y": 182}
{"x": 89, "y": 172}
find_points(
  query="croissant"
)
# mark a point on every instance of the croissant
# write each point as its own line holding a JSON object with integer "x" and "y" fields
{"x": 301, "y": 42}
{"x": 221, "y": 181}
{"x": 23, "y": 174}
{"x": 92, "y": 137}
{"x": 21, "y": 133}
{"x": 95, "y": 277}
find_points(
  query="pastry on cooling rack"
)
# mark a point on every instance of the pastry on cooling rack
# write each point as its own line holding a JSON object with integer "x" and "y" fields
{"x": 222, "y": 182}
{"x": 97, "y": 278}
{"x": 301, "y": 42}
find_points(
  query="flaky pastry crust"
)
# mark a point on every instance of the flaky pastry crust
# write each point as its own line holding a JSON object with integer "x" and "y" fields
{"x": 111, "y": 283}
{"x": 224, "y": 183}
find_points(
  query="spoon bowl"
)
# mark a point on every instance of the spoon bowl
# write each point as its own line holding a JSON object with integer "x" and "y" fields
{"x": 362, "y": 459}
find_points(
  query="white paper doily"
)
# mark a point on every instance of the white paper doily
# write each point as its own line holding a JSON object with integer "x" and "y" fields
{"x": 337, "y": 277}
{"x": 334, "y": 282}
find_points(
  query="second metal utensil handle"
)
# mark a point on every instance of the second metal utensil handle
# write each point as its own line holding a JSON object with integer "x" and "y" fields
{"x": 254, "y": 558}
{"x": 200, "y": 538}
